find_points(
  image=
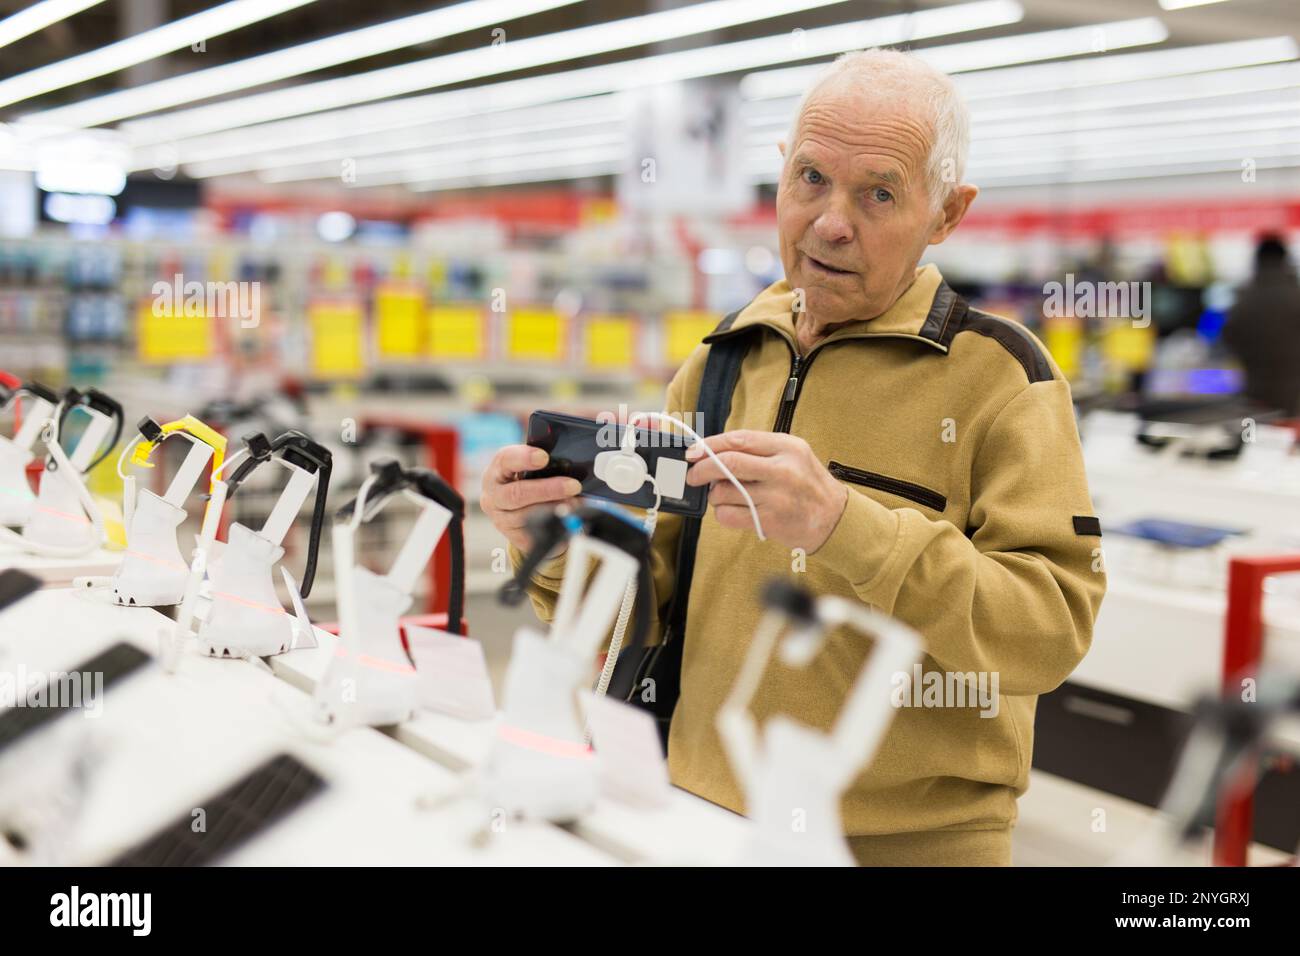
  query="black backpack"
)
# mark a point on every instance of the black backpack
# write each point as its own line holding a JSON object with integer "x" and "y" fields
{"x": 661, "y": 665}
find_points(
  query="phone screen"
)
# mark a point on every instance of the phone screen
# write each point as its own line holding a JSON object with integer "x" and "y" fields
{"x": 573, "y": 444}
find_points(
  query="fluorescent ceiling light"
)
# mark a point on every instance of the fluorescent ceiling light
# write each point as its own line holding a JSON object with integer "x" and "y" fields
{"x": 1156, "y": 170}
{"x": 1069, "y": 122}
{"x": 142, "y": 47}
{"x": 981, "y": 54}
{"x": 1227, "y": 118}
{"x": 559, "y": 165}
{"x": 291, "y": 62}
{"x": 1184, "y": 4}
{"x": 1214, "y": 85}
{"x": 1126, "y": 67}
{"x": 39, "y": 16}
{"x": 606, "y": 167}
{"x": 1084, "y": 140}
{"x": 402, "y": 168}
{"x": 1154, "y": 159}
{"x": 579, "y": 43}
{"x": 1158, "y": 150}
{"x": 1211, "y": 84}
{"x": 1167, "y": 144}
{"x": 573, "y": 84}
{"x": 950, "y": 57}
{"x": 593, "y": 111}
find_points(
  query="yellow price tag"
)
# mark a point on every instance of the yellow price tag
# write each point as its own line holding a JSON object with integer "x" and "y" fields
{"x": 399, "y": 321}
{"x": 1129, "y": 347}
{"x": 535, "y": 335}
{"x": 336, "y": 338}
{"x": 683, "y": 330}
{"x": 609, "y": 341}
{"x": 456, "y": 332}
{"x": 1064, "y": 340}
{"x": 163, "y": 337}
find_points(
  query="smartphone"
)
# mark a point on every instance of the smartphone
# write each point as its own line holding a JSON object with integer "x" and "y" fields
{"x": 574, "y": 442}
{"x": 16, "y": 585}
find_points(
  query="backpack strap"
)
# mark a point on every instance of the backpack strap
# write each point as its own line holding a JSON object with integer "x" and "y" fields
{"x": 663, "y": 661}
{"x": 721, "y": 371}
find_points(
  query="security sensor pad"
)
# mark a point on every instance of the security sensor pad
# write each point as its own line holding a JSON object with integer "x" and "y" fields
{"x": 670, "y": 477}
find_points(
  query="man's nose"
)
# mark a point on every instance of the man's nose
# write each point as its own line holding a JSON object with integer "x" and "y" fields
{"x": 834, "y": 224}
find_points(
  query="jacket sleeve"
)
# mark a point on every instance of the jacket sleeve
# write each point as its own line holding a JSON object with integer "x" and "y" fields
{"x": 1017, "y": 593}
{"x": 544, "y": 587}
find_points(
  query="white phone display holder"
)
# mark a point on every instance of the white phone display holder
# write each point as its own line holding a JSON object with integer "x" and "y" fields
{"x": 243, "y": 613}
{"x": 540, "y": 765}
{"x": 16, "y": 497}
{"x": 65, "y": 520}
{"x": 787, "y": 770}
{"x": 371, "y": 680}
{"x": 153, "y": 572}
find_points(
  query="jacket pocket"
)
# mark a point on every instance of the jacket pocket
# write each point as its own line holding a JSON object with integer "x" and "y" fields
{"x": 894, "y": 486}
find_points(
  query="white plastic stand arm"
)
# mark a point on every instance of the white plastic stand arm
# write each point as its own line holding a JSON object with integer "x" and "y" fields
{"x": 16, "y": 498}
{"x": 540, "y": 766}
{"x": 245, "y": 617}
{"x": 65, "y": 520}
{"x": 371, "y": 680}
{"x": 787, "y": 768}
{"x": 153, "y": 572}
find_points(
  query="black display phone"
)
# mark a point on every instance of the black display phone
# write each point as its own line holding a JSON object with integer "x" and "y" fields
{"x": 574, "y": 442}
{"x": 16, "y": 585}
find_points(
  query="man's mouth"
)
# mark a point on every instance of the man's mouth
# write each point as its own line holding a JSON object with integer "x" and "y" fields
{"x": 825, "y": 267}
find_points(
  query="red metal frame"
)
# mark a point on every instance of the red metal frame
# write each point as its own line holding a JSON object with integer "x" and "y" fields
{"x": 1243, "y": 649}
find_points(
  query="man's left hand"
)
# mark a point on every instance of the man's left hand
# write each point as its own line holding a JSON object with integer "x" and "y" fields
{"x": 797, "y": 498}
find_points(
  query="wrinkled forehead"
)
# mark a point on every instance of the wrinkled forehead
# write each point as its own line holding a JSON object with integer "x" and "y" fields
{"x": 846, "y": 123}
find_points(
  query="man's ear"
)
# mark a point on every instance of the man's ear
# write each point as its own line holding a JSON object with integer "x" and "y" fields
{"x": 780, "y": 145}
{"x": 954, "y": 211}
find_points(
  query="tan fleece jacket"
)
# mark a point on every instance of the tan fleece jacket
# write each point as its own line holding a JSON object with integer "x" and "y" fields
{"x": 968, "y": 517}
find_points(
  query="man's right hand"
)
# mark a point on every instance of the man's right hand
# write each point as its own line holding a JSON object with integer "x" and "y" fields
{"x": 508, "y": 500}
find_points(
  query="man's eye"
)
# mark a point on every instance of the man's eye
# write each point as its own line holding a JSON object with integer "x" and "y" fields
{"x": 813, "y": 177}
{"x": 880, "y": 194}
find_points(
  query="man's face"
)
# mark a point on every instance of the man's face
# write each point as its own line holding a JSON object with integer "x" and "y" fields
{"x": 852, "y": 208}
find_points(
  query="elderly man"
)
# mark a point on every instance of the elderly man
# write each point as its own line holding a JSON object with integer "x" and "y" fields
{"x": 903, "y": 450}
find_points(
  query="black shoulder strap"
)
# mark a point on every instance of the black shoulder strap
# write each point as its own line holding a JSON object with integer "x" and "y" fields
{"x": 663, "y": 661}
{"x": 721, "y": 370}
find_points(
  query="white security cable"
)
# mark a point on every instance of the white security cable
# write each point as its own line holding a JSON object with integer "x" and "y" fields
{"x": 651, "y": 519}
{"x": 726, "y": 472}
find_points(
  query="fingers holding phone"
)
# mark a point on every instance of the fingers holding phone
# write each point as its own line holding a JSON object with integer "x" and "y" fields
{"x": 508, "y": 499}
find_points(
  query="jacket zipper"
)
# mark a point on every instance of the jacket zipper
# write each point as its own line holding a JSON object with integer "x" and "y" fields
{"x": 799, "y": 365}
{"x": 895, "y": 486}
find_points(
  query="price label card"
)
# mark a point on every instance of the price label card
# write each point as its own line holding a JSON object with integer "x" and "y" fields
{"x": 609, "y": 341}
{"x": 456, "y": 332}
{"x": 337, "y": 347}
{"x": 452, "y": 672}
{"x": 631, "y": 759}
{"x": 1063, "y": 337}
{"x": 399, "y": 321}
{"x": 164, "y": 335}
{"x": 535, "y": 335}
{"x": 1129, "y": 347}
{"x": 685, "y": 329}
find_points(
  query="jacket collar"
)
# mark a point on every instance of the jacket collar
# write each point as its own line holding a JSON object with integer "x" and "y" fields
{"x": 928, "y": 311}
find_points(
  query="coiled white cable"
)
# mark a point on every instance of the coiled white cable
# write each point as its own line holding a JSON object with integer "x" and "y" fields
{"x": 651, "y": 519}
